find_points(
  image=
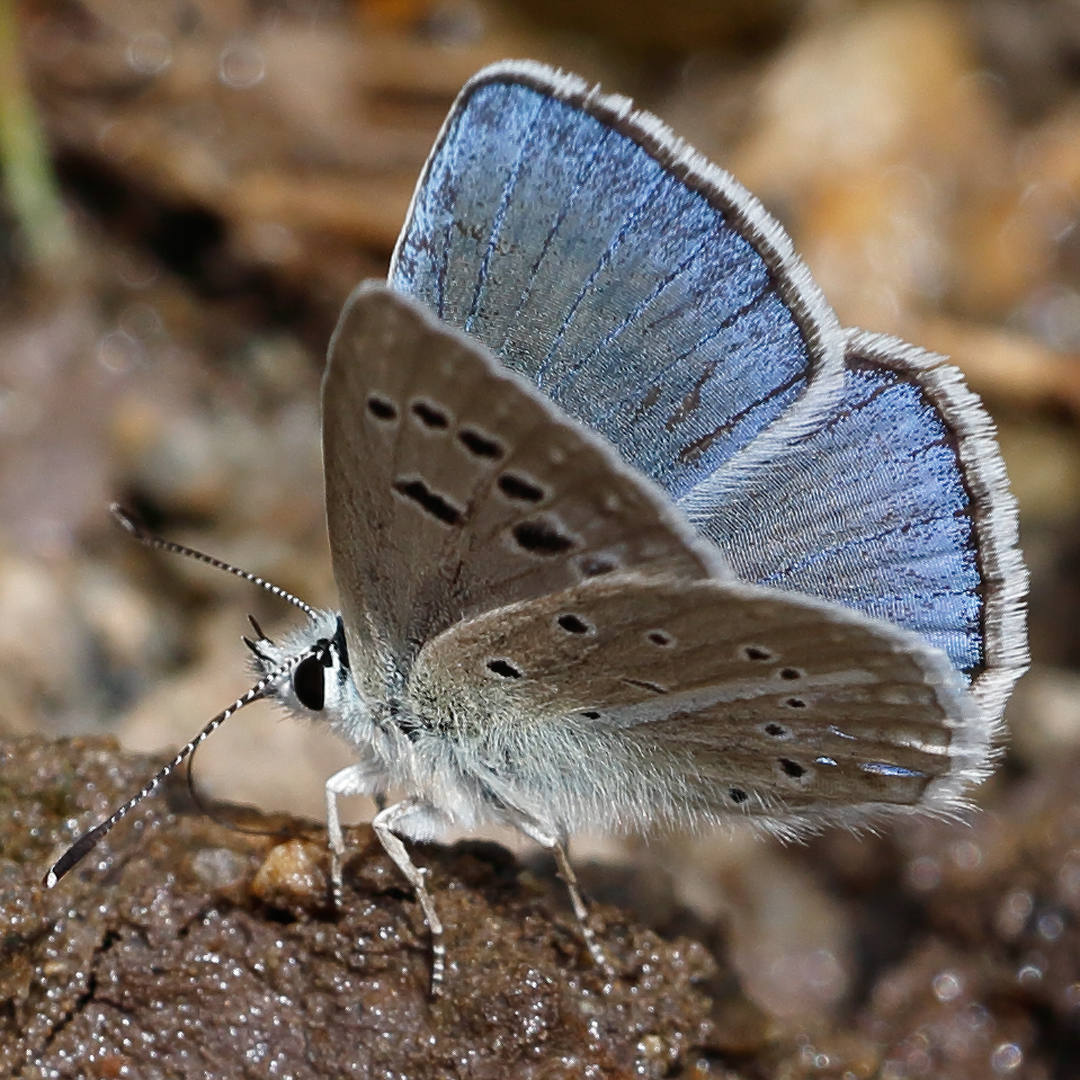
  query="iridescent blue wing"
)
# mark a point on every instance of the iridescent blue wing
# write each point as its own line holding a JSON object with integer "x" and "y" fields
{"x": 897, "y": 505}
{"x": 652, "y": 297}
{"x": 641, "y": 288}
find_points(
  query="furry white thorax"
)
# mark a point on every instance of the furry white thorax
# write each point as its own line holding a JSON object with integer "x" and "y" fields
{"x": 562, "y": 781}
{"x": 397, "y": 751}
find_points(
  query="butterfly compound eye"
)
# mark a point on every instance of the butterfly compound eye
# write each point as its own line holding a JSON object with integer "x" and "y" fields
{"x": 308, "y": 684}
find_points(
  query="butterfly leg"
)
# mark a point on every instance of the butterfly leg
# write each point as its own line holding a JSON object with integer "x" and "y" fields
{"x": 384, "y": 823}
{"x": 352, "y": 780}
{"x": 557, "y": 846}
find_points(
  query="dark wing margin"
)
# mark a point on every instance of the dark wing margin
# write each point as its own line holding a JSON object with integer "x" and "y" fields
{"x": 897, "y": 505}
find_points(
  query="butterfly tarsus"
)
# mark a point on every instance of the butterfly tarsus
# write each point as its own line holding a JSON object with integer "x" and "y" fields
{"x": 577, "y": 902}
{"x": 352, "y": 780}
{"x": 557, "y": 847}
{"x": 384, "y": 824}
{"x": 359, "y": 779}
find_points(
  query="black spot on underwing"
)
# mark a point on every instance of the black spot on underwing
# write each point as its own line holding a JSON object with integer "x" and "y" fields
{"x": 430, "y": 501}
{"x": 504, "y": 669}
{"x": 520, "y": 488}
{"x": 382, "y": 408}
{"x": 644, "y": 684}
{"x": 479, "y": 444}
{"x": 430, "y": 415}
{"x": 542, "y": 536}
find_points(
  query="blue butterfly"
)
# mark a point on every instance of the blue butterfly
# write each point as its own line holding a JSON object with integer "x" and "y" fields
{"x": 627, "y": 530}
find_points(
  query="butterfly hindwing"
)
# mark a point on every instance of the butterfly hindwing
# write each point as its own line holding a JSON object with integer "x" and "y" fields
{"x": 648, "y": 701}
{"x": 896, "y": 505}
{"x": 640, "y": 287}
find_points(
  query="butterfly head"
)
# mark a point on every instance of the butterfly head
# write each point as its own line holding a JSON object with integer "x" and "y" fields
{"x": 320, "y": 686}
{"x": 308, "y": 673}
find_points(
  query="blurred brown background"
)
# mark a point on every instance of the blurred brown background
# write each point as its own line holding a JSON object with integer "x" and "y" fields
{"x": 228, "y": 171}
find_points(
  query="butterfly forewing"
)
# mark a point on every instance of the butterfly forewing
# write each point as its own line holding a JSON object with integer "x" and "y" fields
{"x": 675, "y": 700}
{"x": 643, "y": 289}
{"x": 453, "y": 487}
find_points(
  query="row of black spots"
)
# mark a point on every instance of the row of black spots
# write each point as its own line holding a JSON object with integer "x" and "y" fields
{"x": 504, "y": 669}
{"x": 661, "y": 639}
{"x": 435, "y": 417}
{"x": 439, "y": 507}
{"x": 758, "y": 654}
{"x": 479, "y": 445}
{"x": 430, "y": 415}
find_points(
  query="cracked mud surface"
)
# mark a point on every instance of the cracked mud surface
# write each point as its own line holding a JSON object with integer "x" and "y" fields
{"x": 184, "y": 948}
{"x": 180, "y": 948}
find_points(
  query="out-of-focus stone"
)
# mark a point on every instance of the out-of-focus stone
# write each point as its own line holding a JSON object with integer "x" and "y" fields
{"x": 53, "y": 394}
{"x": 969, "y": 936}
{"x": 1045, "y": 712}
{"x": 1032, "y": 47}
{"x": 945, "y": 1013}
{"x": 1004, "y": 365}
{"x": 655, "y": 27}
{"x": 787, "y": 939}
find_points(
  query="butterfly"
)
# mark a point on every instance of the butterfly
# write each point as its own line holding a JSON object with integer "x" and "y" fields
{"x": 628, "y": 532}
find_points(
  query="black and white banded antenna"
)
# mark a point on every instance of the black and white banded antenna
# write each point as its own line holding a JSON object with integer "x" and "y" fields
{"x": 88, "y": 841}
{"x": 145, "y": 536}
